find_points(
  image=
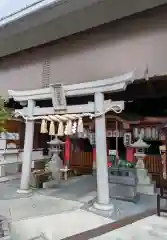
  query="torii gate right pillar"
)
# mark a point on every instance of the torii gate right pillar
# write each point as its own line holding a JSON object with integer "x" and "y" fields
{"x": 103, "y": 200}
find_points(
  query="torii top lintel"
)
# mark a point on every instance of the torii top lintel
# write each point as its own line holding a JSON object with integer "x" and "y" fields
{"x": 118, "y": 83}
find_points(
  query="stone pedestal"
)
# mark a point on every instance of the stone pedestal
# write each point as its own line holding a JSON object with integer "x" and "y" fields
{"x": 8, "y": 162}
{"x": 123, "y": 183}
{"x": 2, "y": 171}
{"x": 54, "y": 167}
{"x": 144, "y": 185}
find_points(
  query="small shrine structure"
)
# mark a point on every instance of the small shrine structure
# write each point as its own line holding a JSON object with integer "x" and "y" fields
{"x": 63, "y": 113}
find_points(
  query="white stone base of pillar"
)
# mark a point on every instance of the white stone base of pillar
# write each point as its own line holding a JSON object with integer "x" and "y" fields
{"x": 94, "y": 165}
{"x": 103, "y": 207}
{"x": 22, "y": 191}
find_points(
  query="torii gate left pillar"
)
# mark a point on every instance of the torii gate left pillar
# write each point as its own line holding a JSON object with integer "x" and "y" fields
{"x": 28, "y": 147}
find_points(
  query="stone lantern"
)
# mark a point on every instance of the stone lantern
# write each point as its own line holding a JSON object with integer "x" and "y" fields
{"x": 144, "y": 185}
{"x": 56, "y": 146}
{"x": 56, "y": 162}
{"x": 140, "y": 147}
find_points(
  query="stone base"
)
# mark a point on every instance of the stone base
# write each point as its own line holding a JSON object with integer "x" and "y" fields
{"x": 122, "y": 184}
{"x": 50, "y": 184}
{"x": 94, "y": 165}
{"x": 2, "y": 171}
{"x": 123, "y": 192}
{"x": 148, "y": 189}
{"x": 102, "y": 210}
{"x": 9, "y": 178}
{"x": 103, "y": 207}
{"x": 142, "y": 176}
{"x": 22, "y": 191}
{"x": 145, "y": 184}
{"x": 11, "y": 169}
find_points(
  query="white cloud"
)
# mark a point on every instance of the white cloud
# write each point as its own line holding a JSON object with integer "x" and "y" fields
{"x": 8, "y": 7}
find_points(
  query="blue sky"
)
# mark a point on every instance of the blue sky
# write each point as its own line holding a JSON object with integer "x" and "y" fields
{"x": 8, "y": 7}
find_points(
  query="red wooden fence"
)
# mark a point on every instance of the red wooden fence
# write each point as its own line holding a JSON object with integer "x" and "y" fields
{"x": 82, "y": 162}
{"x": 153, "y": 164}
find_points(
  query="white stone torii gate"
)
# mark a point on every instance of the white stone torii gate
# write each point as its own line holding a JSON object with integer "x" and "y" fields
{"x": 96, "y": 88}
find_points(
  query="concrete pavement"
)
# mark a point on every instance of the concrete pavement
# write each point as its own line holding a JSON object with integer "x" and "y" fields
{"x": 62, "y": 211}
{"x": 57, "y": 226}
{"x": 150, "y": 228}
{"x": 43, "y": 213}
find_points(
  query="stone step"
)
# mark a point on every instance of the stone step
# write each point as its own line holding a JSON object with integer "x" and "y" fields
{"x": 145, "y": 180}
{"x": 148, "y": 189}
{"x": 143, "y": 177}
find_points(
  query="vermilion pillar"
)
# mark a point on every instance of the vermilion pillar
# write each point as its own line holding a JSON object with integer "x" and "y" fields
{"x": 130, "y": 154}
{"x": 67, "y": 151}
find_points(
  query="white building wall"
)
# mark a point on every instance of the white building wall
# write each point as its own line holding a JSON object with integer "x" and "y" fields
{"x": 112, "y": 49}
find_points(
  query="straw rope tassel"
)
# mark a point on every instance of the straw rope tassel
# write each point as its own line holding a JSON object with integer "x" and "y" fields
{"x": 52, "y": 129}
{"x": 60, "y": 131}
{"x": 80, "y": 128}
{"x": 44, "y": 127}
